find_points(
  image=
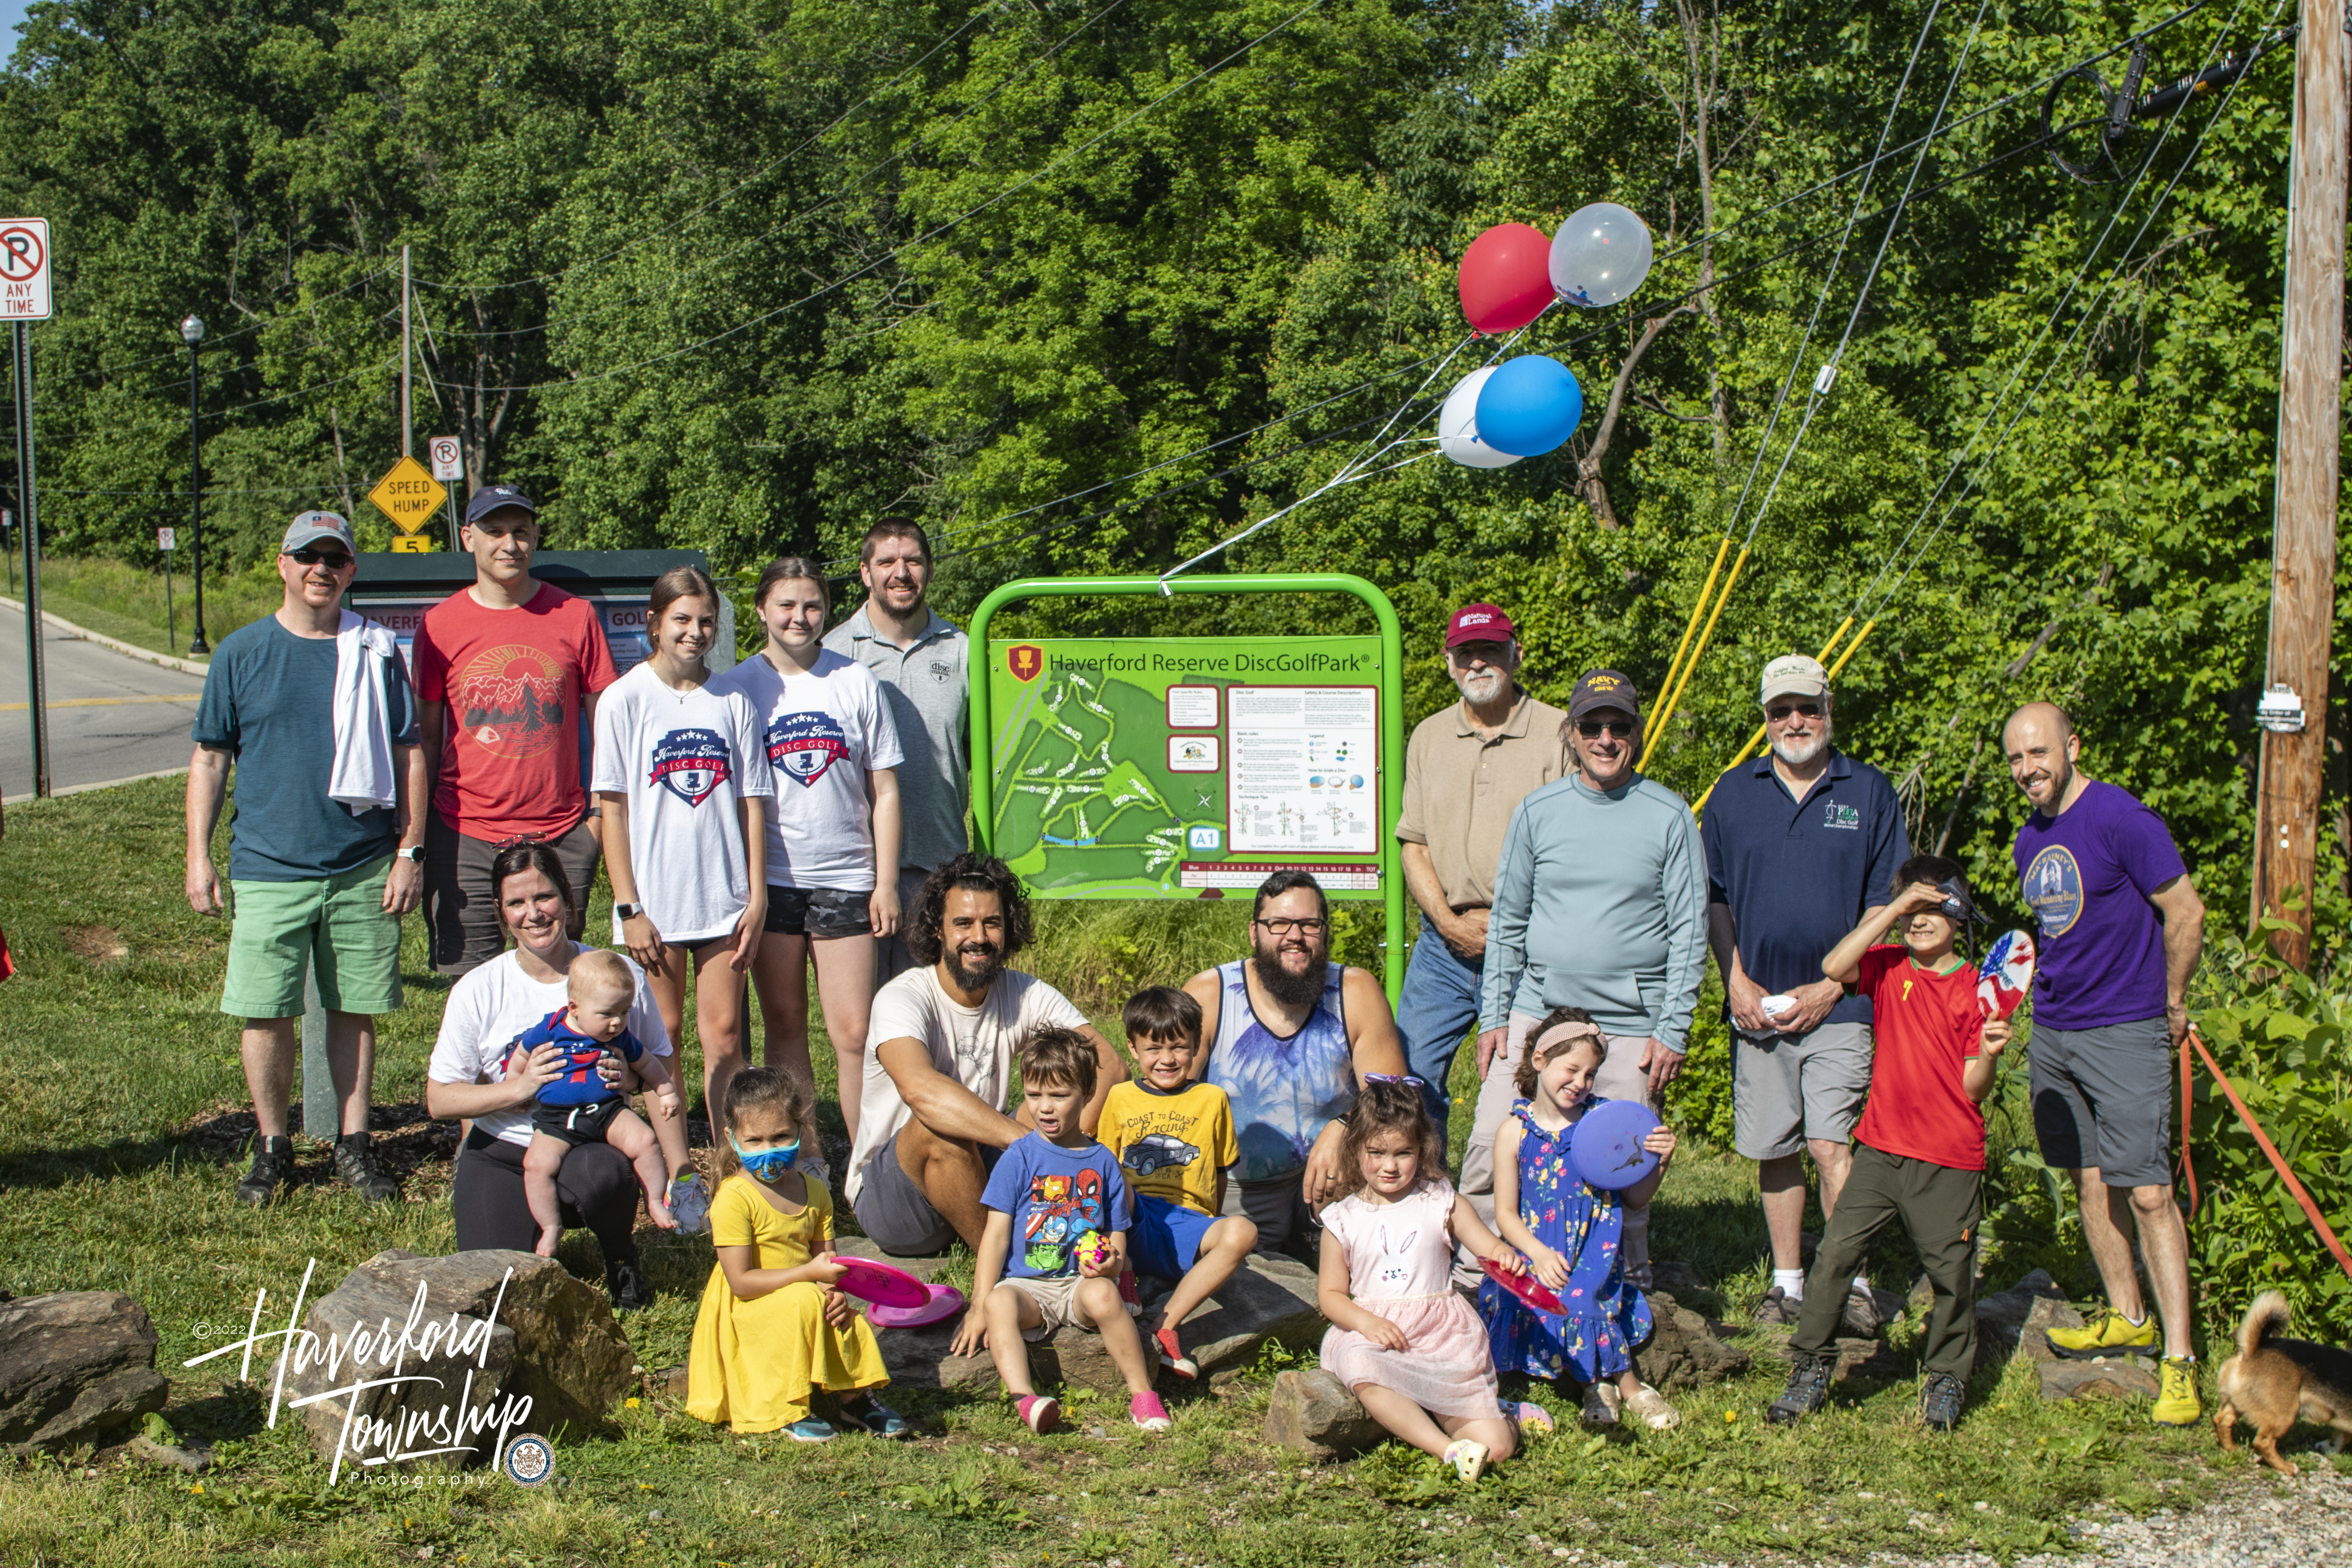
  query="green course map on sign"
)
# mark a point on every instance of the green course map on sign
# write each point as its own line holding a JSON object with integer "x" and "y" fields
{"x": 1153, "y": 768}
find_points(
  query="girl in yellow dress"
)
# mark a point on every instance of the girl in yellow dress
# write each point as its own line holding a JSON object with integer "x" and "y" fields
{"x": 772, "y": 1328}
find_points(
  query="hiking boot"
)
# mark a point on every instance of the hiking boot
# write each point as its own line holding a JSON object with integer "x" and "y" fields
{"x": 273, "y": 1165}
{"x": 2108, "y": 1333}
{"x": 625, "y": 1282}
{"x": 1777, "y": 1310}
{"x": 1808, "y": 1391}
{"x": 1939, "y": 1401}
{"x": 2176, "y": 1398}
{"x": 355, "y": 1164}
{"x": 1860, "y": 1317}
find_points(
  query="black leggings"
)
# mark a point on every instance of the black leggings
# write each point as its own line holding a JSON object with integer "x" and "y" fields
{"x": 597, "y": 1187}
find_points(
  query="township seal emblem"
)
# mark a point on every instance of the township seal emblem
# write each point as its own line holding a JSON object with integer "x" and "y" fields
{"x": 804, "y": 745}
{"x": 690, "y": 764}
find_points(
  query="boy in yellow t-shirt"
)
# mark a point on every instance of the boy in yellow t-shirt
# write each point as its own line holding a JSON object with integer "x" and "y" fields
{"x": 1173, "y": 1140}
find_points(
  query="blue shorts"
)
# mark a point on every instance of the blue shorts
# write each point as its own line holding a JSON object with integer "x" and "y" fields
{"x": 1165, "y": 1237}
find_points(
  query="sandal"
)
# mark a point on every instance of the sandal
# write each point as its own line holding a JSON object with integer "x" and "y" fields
{"x": 1467, "y": 1458}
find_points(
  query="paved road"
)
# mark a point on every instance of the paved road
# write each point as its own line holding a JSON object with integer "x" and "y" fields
{"x": 110, "y": 716}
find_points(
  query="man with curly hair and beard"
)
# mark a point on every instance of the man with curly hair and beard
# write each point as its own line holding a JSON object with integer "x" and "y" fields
{"x": 1290, "y": 1036}
{"x": 938, "y": 1068}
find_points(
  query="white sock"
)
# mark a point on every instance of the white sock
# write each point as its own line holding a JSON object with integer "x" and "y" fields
{"x": 1862, "y": 1283}
{"x": 1792, "y": 1282}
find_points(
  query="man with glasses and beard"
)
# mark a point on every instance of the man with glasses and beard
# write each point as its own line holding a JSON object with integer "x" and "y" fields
{"x": 938, "y": 1074}
{"x": 1290, "y": 1036}
{"x": 1465, "y": 771}
{"x": 1799, "y": 844}
{"x": 1600, "y": 903}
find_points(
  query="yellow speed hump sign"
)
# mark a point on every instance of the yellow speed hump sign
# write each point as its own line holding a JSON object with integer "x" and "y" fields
{"x": 409, "y": 495}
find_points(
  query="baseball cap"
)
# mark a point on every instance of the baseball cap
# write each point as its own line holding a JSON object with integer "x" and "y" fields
{"x": 313, "y": 526}
{"x": 1602, "y": 688}
{"x": 1794, "y": 675}
{"x": 489, "y": 498}
{"x": 1478, "y": 623}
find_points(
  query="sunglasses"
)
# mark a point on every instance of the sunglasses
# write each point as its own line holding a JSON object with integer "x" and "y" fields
{"x": 333, "y": 560}
{"x": 1779, "y": 712}
{"x": 1594, "y": 728}
{"x": 1405, "y": 1079}
{"x": 1304, "y": 928}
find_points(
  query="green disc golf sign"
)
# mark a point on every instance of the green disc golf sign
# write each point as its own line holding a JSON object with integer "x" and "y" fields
{"x": 1175, "y": 767}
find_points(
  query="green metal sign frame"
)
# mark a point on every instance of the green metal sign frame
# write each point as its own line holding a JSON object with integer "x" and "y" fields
{"x": 1390, "y": 685}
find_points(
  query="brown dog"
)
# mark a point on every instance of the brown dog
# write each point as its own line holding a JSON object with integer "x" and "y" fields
{"x": 2272, "y": 1381}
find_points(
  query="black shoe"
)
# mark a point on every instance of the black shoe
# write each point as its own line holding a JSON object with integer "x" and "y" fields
{"x": 355, "y": 1164}
{"x": 273, "y": 1164}
{"x": 625, "y": 1282}
{"x": 1860, "y": 1319}
{"x": 1939, "y": 1401}
{"x": 1776, "y": 1311}
{"x": 1808, "y": 1391}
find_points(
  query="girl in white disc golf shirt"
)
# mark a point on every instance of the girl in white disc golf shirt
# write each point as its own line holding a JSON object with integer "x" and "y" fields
{"x": 680, "y": 773}
{"x": 833, "y": 753}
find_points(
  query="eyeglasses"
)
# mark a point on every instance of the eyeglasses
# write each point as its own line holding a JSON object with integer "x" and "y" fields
{"x": 1304, "y": 928}
{"x": 333, "y": 560}
{"x": 1780, "y": 714}
{"x": 1403, "y": 1077}
{"x": 1594, "y": 728}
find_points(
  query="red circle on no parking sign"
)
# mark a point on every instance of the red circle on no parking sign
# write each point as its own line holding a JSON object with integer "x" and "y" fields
{"x": 22, "y": 254}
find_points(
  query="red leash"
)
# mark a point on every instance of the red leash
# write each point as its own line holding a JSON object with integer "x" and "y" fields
{"x": 2310, "y": 1209}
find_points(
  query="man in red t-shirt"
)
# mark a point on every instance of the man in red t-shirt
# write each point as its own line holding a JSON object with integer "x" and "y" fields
{"x": 508, "y": 671}
{"x": 1919, "y": 1149}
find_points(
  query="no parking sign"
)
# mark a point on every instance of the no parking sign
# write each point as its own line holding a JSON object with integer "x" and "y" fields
{"x": 23, "y": 269}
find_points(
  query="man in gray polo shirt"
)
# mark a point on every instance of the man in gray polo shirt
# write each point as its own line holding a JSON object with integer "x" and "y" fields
{"x": 1600, "y": 903}
{"x": 922, "y": 662}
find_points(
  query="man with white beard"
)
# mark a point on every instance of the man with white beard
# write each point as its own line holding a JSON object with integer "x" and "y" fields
{"x": 1799, "y": 844}
{"x": 1466, "y": 769}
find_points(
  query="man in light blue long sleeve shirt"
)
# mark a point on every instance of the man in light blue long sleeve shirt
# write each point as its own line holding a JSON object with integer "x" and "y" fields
{"x": 1600, "y": 903}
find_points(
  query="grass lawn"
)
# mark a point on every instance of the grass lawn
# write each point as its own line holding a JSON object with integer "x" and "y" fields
{"x": 128, "y": 1133}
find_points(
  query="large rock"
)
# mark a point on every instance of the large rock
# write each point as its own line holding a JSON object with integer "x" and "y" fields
{"x": 489, "y": 1355}
{"x": 2016, "y": 1322}
{"x": 2096, "y": 1380}
{"x": 74, "y": 1366}
{"x": 1268, "y": 1299}
{"x": 1312, "y": 1412}
{"x": 1686, "y": 1350}
{"x": 1066, "y": 1358}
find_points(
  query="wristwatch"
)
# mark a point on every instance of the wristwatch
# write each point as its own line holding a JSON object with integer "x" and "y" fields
{"x": 627, "y": 911}
{"x": 415, "y": 852}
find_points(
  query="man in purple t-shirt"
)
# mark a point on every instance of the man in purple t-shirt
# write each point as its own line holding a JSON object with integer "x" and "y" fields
{"x": 2119, "y": 929}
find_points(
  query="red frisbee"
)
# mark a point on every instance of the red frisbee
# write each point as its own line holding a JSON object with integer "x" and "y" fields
{"x": 1526, "y": 1287}
{"x": 880, "y": 1283}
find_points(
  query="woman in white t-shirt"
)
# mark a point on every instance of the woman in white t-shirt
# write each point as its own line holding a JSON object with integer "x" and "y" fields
{"x": 487, "y": 1009}
{"x": 834, "y": 755}
{"x": 680, "y": 774}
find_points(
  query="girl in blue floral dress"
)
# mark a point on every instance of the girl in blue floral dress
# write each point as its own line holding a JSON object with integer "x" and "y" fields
{"x": 1569, "y": 1233}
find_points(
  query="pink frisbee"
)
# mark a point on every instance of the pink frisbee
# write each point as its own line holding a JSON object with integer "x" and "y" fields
{"x": 881, "y": 1284}
{"x": 1526, "y": 1287}
{"x": 945, "y": 1302}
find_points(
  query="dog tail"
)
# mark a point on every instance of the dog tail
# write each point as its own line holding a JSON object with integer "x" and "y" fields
{"x": 2266, "y": 1317}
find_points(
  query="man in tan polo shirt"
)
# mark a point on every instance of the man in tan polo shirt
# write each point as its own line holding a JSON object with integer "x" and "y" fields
{"x": 1465, "y": 771}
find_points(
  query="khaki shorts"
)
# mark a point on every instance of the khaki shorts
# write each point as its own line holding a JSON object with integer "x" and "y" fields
{"x": 1057, "y": 1301}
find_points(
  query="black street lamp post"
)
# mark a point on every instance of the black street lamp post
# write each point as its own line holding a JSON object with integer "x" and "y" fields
{"x": 192, "y": 332}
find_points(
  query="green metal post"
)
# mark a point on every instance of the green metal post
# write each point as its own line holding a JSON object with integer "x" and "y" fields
{"x": 1391, "y": 688}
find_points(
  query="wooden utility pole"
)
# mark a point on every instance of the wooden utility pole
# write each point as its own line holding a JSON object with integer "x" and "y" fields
{"x": 2302, "y": 566}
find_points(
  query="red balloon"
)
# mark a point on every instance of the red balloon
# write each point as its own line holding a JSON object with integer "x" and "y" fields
{"x": 1507, "y": 278}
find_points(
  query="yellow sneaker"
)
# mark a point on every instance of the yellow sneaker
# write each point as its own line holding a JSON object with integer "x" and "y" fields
{"x": 2176, "y": 1398}
{"x": 2108, "y": 1333}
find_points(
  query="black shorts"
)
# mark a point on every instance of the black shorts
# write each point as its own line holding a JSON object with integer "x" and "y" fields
{"x": 819, "y": 912}
{"x": 577, "y": 1124}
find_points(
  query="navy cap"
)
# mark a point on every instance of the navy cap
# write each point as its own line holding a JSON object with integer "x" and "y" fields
{"x": 489, "y": 498}
{"x": 1604, "y": 688}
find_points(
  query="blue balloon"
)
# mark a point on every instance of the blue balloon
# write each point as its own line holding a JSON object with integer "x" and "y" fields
{"x": 1529, "y": 406}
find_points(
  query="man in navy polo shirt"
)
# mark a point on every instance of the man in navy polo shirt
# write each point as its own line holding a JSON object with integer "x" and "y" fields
{"x": 1799, "y": 844}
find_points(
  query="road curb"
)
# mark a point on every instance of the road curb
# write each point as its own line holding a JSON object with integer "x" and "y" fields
{"x": 29, "y": 798}
{"x": 131, "y": 649}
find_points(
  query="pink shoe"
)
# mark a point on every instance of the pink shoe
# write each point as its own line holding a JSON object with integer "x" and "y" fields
{"x": 1041, "y": 1412}
{"x": 1146, "y": 1411}
{"x": 1180, "y": 1363}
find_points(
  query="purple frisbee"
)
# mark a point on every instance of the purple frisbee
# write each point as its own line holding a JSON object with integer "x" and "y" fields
{"x": 1606, "y": 1147}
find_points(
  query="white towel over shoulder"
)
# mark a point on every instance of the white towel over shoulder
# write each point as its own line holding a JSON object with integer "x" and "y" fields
{"x": 364, "y": 778}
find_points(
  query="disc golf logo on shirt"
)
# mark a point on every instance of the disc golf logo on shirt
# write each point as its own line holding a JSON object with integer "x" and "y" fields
{"x": 510, "y": 700}
{"x": 1836, "y": 816}
{"x": 802, "y": 746}
{"x": 1024, "y": 660}
{"x": 2054, "y": 888}
{"x": 690, "y": 764}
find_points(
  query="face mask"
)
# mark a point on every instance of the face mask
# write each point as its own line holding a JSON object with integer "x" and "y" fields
{"x": 768, "y": 1164}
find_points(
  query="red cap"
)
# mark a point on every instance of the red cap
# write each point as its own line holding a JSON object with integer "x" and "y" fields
{"x": 1478, "y": 623}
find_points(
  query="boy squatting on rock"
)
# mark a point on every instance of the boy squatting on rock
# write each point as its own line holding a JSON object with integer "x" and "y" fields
{"x": 1920, "y": 1148}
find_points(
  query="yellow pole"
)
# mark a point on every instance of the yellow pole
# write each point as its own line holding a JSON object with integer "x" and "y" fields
{"x": 1656, "y": 725}
{"x": 1690, "y": 627}
{"x": 1758, "y": 739}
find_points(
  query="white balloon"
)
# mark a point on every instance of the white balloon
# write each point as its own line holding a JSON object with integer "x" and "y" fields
{"x": 1457, "y": 425}
{"x": 1599, "y": 255}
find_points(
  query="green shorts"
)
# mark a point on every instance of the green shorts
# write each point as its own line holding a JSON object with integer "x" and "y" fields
{"x": 276, "y": 929}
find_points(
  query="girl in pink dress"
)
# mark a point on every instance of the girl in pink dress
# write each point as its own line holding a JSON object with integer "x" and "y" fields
{"x": 1410, "y": 1349}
